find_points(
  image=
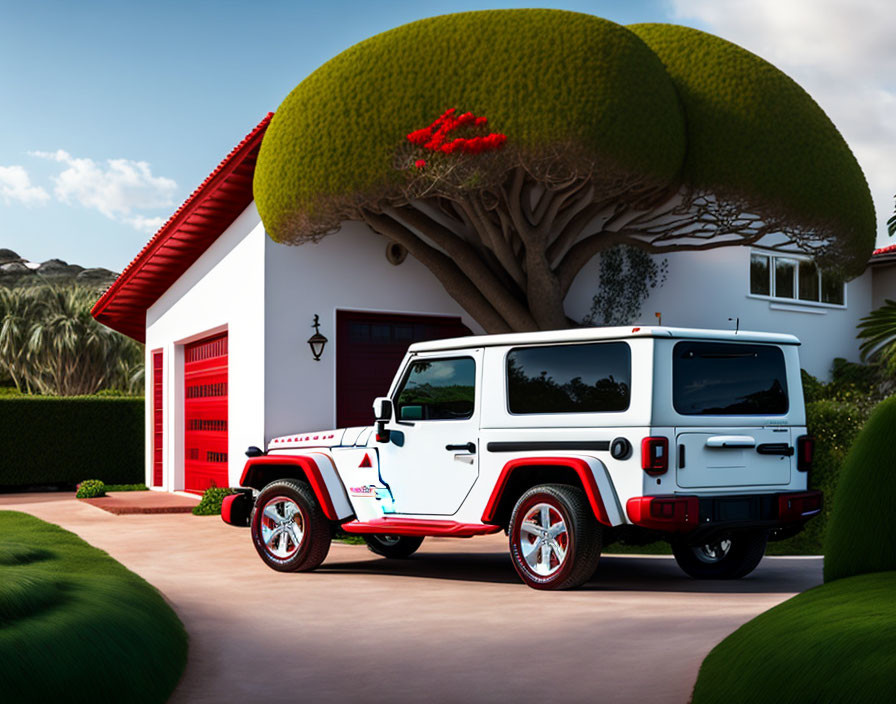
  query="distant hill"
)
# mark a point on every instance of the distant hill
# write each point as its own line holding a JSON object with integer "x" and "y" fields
{"x": 16, "y": 271}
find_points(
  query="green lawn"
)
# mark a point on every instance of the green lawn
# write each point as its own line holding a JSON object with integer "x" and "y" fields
{"x": 833, "y": 643}
{"x": 76, "y": 626}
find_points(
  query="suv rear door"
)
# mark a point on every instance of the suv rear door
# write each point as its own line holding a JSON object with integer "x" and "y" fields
{"x": 743, "y": 385}
{"x": 727, "y": 457}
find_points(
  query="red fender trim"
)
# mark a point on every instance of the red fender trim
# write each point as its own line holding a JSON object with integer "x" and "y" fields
{"x": 226, "y": 506}
{"x": 309, "y": 468}
{"x": 407, "y": 526}
{"x": 578, "y": 465}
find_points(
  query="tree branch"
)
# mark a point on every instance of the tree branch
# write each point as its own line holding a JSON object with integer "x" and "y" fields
{"x": 456, "y": 283}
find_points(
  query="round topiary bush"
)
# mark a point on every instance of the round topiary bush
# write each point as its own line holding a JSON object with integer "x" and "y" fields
{"x": 90, "y": 489}
{"x": 861, "y": 536}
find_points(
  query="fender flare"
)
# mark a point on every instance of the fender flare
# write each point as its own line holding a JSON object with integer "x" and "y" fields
{"x": 591, "y": 472}
{"x": 317, "y": 468}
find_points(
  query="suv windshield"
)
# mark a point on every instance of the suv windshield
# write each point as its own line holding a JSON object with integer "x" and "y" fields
{"x": 721, "y": 378}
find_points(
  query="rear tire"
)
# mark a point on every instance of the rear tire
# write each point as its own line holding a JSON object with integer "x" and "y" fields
{"x": 729, "y": 556}
{"x": 395, "y": 547}
{"x": 555, "y": 540}
{"x": 289, "y": 528}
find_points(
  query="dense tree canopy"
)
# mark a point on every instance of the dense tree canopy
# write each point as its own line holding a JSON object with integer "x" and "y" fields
{"x": 656, "y": 136}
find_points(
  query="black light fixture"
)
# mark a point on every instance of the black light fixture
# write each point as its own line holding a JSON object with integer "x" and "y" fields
{"x": 317, "y": 341}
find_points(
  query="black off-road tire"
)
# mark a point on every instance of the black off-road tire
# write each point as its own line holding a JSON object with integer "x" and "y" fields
{"x": 395, "y": 547}
{"x": 709, "y": 561}
{"x": 582, "y": 537}
{"x": 297, "y": 556}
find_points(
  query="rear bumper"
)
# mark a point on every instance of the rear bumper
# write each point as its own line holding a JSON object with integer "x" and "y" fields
{"x": 685, "y": 514}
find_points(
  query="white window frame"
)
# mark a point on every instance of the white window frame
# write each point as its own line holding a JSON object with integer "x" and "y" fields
{"x": 796, "y": 300}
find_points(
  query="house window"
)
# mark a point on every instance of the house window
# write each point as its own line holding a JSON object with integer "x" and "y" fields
{"x": 794, "y": 279}
{"x": 760, "y": 281}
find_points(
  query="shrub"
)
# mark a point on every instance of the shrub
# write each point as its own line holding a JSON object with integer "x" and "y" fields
{"x": 862, "y": 534}
{"x": 835, "y": 425}
{"x": 127, "y": 487}
{"x": 90, "y": 489}
{"x": 833, "y": 643}
{"x": 76, "y": 626}
{"x": 58, "y": 441}
{"x": 210, "y": 505}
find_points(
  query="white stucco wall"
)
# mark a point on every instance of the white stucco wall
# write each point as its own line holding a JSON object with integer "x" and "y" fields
{"x": 222, "y": 290}
{"x": 345, "y": 271}
{"x": 705, "y": 289}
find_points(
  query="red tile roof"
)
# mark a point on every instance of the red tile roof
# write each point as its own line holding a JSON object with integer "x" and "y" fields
{"x": 891, "y": 249}
{"x": 192, "y": 228}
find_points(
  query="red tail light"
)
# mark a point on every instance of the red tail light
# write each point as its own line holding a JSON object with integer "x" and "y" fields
{"x": 805, "y": 451}
{"x": 655, "y": 455}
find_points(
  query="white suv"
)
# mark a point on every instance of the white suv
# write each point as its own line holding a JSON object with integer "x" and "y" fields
{"x": 567, "y": 441}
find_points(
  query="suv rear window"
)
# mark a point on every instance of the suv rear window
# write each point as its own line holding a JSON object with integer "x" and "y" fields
{"x": 591, "y": 378}
{"x": 725, "y": 379}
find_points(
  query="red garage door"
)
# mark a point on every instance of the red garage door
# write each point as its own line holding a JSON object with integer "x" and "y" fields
{"x": 205, "y": 414}
{"x": 157, "y": 418}
{"x": 369, "y": 348}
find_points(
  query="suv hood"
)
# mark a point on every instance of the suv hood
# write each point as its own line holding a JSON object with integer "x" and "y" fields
{"x": 340, "y": 437}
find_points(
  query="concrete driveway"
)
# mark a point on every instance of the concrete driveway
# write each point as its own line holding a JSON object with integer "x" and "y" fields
{"x": 453, "y": 624}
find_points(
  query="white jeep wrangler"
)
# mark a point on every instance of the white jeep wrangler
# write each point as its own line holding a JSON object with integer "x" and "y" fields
{"x": 567, "y": 441}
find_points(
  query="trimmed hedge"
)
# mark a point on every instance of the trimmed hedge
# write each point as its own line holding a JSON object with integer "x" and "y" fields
{"x": 77, "y": 626}
{"x": 833, "y": 643}
{"x": 49, "y": 440}
{"x": 862, "y": 534}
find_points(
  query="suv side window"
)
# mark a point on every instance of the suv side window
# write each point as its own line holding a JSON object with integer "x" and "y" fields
{"x": 438, "y": 389}
{"x": 589, "y": 378}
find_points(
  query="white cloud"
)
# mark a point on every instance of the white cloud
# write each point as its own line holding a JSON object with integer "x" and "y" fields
{"x": 842, "y": 52}
{"x": 145, "y": 224}
{"x": 117, "y": 189}
{"x": 15, "y": 185}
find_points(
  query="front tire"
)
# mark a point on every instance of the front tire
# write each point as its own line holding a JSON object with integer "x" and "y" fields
{"x": 395, "y": 547}
{"x": 728, "y": 556}
{"x": 555, "y": 540}
{"x": 289, "y": 529}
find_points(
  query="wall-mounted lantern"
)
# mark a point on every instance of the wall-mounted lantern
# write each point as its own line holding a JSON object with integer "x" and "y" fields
{"x": 317, "y": 342}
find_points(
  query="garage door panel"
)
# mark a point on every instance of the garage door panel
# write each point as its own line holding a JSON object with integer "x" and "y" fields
{"x": 205, "y": 414}
{"x": 369, "y": 348}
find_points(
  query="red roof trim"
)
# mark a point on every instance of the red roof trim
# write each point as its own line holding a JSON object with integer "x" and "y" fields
{"x": 203, "y": 217}
{"x": 884, "y": 250}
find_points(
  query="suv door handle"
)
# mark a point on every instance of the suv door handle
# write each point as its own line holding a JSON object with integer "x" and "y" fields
{"x": 469, "y": 447}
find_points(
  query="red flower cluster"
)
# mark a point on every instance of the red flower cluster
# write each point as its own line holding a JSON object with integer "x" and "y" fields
{"x": 435, "y": 137}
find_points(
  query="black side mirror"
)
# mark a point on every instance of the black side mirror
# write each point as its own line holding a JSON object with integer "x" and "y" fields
{"x": 382, "y": 411}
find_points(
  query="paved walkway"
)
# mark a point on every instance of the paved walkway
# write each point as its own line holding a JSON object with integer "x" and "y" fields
{"x": 453, "y": 624}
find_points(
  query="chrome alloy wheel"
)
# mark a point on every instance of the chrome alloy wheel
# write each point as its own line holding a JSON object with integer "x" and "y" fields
{"x": 282, "y": 527}
{"x": 712, "y": 552}
{"x": 389, "y": 539}
{"x": 544, "y": 539}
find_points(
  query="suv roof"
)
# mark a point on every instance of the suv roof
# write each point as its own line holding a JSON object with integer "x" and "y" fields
{"x": 608, "y": 333}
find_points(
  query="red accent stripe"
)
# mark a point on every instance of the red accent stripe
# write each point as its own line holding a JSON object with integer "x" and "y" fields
{"x": 203, "y": 217}
{"x": 308, "y": 466}
{"x": 578, "y": 465}
{"x": 409, "y": 526}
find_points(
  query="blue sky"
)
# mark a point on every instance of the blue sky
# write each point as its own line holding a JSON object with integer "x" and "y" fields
{"x": 113, "y": 112}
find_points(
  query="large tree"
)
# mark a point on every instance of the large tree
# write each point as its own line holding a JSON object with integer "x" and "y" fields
{"x": 657, "y": 136}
